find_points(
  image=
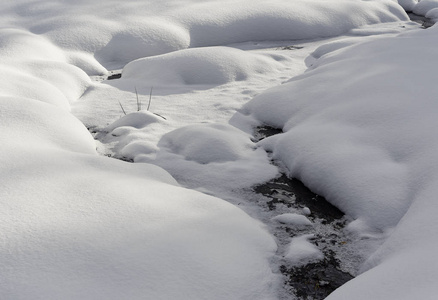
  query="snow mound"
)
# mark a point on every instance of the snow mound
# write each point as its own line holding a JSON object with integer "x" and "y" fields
{"x": 300, "y": 251}
{"x": 34, "y": 68}
{"x": 200, "y": 66}
{"x": 432, "y": 14}
{"x": 218, "y": 24}
{"x": 424, "y": 6}
{"x": 79, "y": 226}
{"x": 149, "y": 38}
{"x": 139, "y": 119}
{"x": 408, "y": 5}
{"x": 117, "y": 34}
{"x": 293, "y": 219}
{"x": 207, "y": 143}
{"x": 211, "y": 155}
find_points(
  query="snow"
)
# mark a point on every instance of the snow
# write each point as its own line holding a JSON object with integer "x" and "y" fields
{"x": 306, "y": 211}
{"x": 76, "y": 225}
{"x": 79, "y": 226}
{"x": 357, "y": 130}
{"x": 203, "y": 155}
{"x": 424, "y": 6}
{"x": 301, "y": 252}
{"x": 293, "y": 220}
{"x": 117, "y": 34}
{"x": 432, "y": 14}
{"x": 200, "y": 66}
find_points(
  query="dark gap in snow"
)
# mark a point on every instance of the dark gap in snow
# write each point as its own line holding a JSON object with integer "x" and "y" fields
{"x": 425, "y": 22}
{"x": 316, "y": 279}
{"x": 291, "y": 47}
{"x": 265, "y": 131}
{"x": 282, "y": 189}
{"x": 114, "y": 76}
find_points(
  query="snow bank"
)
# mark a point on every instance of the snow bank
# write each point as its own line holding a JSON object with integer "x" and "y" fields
{"x": 117, "y": 34}
{"x": 408, "y": 5}
{"x": 218, "y": 24}
{"x": 200, "y": 66}
{"x": 420, "y": 7}
{"x": 358, "y": 130}
{"x": 79, "y": 226}
{"x": 424, "y": 6}
{"x": 32, "y": 67}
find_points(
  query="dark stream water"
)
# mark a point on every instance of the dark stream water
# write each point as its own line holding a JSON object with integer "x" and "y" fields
{"x": 315, "y": 280}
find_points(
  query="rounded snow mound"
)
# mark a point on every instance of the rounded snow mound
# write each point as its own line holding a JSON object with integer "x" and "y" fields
{"x": 207, "y": 143}
{"x": 148, "y": 38}
{"x": 200, "y": 66}
{"x": 138, "y": 119}
{"x": 423, "y": 7}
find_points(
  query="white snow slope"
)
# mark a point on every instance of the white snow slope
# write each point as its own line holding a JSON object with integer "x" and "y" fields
{"x": 75, "y": 225}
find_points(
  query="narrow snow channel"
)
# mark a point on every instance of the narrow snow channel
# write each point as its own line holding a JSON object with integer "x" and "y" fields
{"x": 180, "y": 111}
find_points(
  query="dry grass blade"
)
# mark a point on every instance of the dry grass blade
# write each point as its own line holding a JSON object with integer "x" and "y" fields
{"x": 138, "y": 100}
{"x": 150, "y": 99}
{"x": 121, "y": 106}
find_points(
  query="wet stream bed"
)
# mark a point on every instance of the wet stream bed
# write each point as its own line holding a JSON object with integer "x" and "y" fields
{"x": 315, "y": 279}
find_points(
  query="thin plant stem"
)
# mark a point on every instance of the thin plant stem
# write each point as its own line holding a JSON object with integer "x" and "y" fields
{"x": 138, "y": 100}
{"x": 121, "y": 106}
{"x": 150, "y": 99}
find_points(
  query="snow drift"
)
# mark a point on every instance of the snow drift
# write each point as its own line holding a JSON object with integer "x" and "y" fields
{"x": 116, "y": 34}
{"x": 200, "y": 66}
{"x": 78, "y": 226}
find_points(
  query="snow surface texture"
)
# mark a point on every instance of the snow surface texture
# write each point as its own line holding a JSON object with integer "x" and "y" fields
{"x": 212, "y": 153}
{"x": 200, "y": 66}
{"x": 427, "y": 8}
{"x": 78, "y": 226}
{"x": 117, "y": 34}
{"x": 359, "y": 129}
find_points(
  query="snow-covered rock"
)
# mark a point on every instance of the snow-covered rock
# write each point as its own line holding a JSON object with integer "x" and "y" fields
{"x": 301, "y": 252}
{"x": 293, "y": 220}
